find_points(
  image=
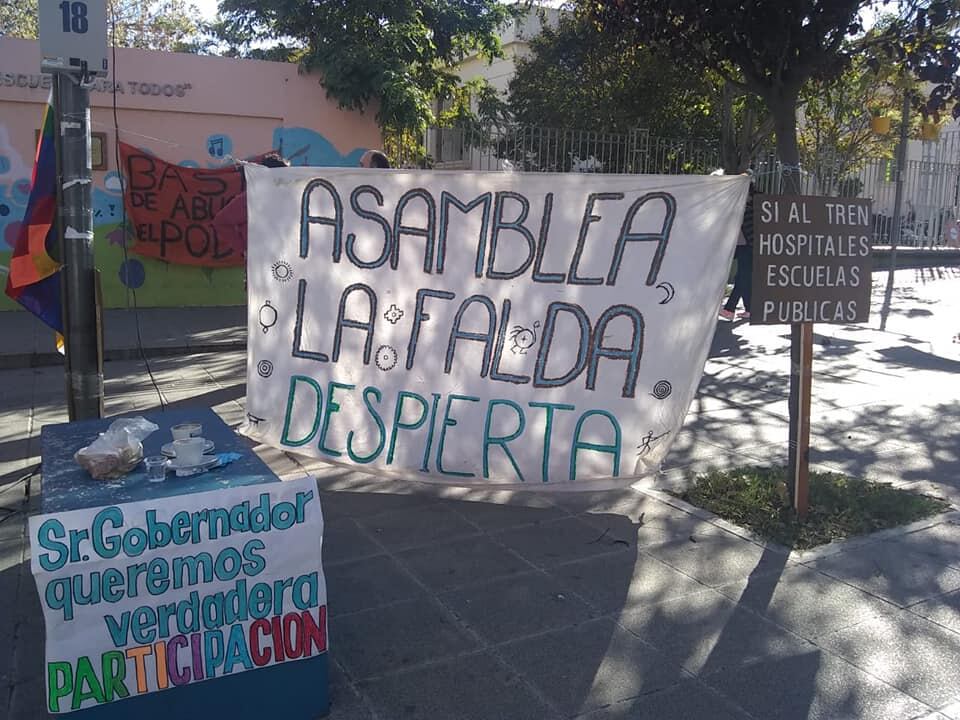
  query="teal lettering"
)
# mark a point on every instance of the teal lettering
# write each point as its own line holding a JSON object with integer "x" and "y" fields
{"x": 502, "y": 440}
{"x": 49, "y": 530}
{"x": 449, "y": 422}
{"x": 381, "y": 429}
{"x": 236, "y": 651}
{"x": 254, "y": 564}
{"x": 318, "y": 413}
{"x": 108, "y": 547}
{"x": 143, "y": 625}
{"x": 213, "y": 651}
{"x": 310, "y": 583}
{"x": 548, "y": 433}
{"x": 578, "y": 445}
{"x": 119, "y": 631}
{"x": 397, "y": 425}
{"x": 332, "y": 407}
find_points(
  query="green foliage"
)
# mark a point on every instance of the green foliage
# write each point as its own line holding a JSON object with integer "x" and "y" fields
{"x": 19, "y": 18}
{"x": 148, "y": 24}
{"x": 836, "y": 138}
{"x": 575, "y": 77}
{"x": 840, "y": 506}
{"x": 773, "y": 48}
{"x": 394, "y": 55}
{"x": 170, "y": 25}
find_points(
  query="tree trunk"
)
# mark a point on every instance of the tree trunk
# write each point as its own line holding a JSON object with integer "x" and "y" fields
{"x": 728, "y": 142}
{"x": 783, "y": 107}
{"x": 736, "y": 146}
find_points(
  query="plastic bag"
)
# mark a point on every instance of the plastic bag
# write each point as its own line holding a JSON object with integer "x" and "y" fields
{"x": 118, "y": 450}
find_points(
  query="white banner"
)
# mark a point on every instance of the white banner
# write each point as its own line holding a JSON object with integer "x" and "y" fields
{"x": 148, "y": 596}
{"x": 533, "y": 329}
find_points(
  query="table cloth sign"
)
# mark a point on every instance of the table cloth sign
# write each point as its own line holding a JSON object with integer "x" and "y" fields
{"x": 147, "y": 596}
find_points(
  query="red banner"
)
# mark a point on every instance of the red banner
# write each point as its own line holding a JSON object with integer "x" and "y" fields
{"x": 172, "y": 209}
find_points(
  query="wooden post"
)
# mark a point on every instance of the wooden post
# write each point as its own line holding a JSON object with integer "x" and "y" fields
{"x": 800, "y": 424}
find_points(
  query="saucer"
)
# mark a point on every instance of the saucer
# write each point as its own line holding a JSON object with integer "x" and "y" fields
{"x": 207, "y": 463}
{"x": 171, "y": 453}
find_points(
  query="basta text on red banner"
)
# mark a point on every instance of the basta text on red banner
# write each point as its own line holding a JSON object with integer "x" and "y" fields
{"x": 172, "y": 208}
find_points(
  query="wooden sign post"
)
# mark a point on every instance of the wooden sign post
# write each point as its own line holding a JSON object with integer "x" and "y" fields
{"x": 812, "y": 263}
{"x": 799, "y": 461}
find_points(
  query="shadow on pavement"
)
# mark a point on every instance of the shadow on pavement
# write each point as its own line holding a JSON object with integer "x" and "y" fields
{"x": 726, "y": 343}
{"x": 446, "y": 608}
{"x": 908, "y": 357}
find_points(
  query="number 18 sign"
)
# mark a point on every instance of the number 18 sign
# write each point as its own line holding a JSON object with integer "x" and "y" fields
{"x": 74, "y": 33}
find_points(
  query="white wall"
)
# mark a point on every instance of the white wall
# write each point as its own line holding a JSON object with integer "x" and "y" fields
{"x": 514, "y": 38}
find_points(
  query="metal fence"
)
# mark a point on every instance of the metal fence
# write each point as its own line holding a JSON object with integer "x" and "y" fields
{"x": 931, "y": 185}
{"x": 541, "y": 149}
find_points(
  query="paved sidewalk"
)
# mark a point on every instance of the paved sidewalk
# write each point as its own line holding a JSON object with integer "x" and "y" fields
{"x": 25, "y": 342}
{"x": 447, "y": 604}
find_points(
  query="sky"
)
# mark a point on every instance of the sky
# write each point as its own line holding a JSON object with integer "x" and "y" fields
{"x": 207, "y": 7}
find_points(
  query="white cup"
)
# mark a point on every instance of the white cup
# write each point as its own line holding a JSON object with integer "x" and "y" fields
{"x": 189, "y": 450}
{"x": 186, "y": 430}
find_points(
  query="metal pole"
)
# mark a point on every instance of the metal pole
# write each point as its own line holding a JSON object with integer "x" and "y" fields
{"x": 897, "y": 207}
{"x": 84, "y": 377}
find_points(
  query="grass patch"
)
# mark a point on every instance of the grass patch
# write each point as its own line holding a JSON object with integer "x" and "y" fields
{"x": 840, "y": 506}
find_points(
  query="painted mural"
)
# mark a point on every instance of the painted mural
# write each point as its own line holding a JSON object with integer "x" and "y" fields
{"x": 14, "y": 191}
{"x": 157, "y": 283}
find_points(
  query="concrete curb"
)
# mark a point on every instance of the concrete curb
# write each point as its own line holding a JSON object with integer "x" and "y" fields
{"x": 17, "y": 361}
{"x": 803, "y": 556}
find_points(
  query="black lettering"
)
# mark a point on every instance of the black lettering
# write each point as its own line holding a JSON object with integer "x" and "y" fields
{"x": 661, "y": 238}
{"x": 369, "y": 215}
{"x": 180, "y": 208}
{"x": 170, "y": 232}
{"x": 297, "y": 352}
{"x": 197, "y": 240}
{"x": 141, "y": 172}
{"x": 419, "y": 316}
{"x": 428, "y": 233}
{"x": 516, "y": 226}
{"x": 485, "y": 337}
{"x": 147, "y": 200}
{"x": 588, "y": 218}
{"x": 631, "y": 354}
{"x": 542, "y": 246}
{"x": 210, "y": 184}
{"x": 171, "y": 172}
{"x": 365, "y": 325}
{"x": 446, "y": 200}
{"x": 219, "y": 254}
{"x": 306, "y": 219}
{"x": 546, "y": 340}
{"x": 495, "y": 373}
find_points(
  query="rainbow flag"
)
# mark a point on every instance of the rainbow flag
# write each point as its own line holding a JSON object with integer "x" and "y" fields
{"x": 34, "y": 276}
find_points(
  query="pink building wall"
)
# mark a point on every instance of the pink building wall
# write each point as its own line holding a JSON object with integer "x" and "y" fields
{"x": 187, "y": 109}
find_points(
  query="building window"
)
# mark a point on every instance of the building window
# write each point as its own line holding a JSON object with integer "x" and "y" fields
{"x": 98, "y": 149}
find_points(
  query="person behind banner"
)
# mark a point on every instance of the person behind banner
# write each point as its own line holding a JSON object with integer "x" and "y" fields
{"x": 743, "y": 280}
{"x": 374, "y": 159}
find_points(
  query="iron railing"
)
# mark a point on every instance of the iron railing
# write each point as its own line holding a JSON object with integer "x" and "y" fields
{"x": 541, "y": 149}
{"x": 931, "y": 185}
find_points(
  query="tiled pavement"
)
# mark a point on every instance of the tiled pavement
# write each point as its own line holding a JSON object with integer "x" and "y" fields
{"x": 449, "y": 604}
